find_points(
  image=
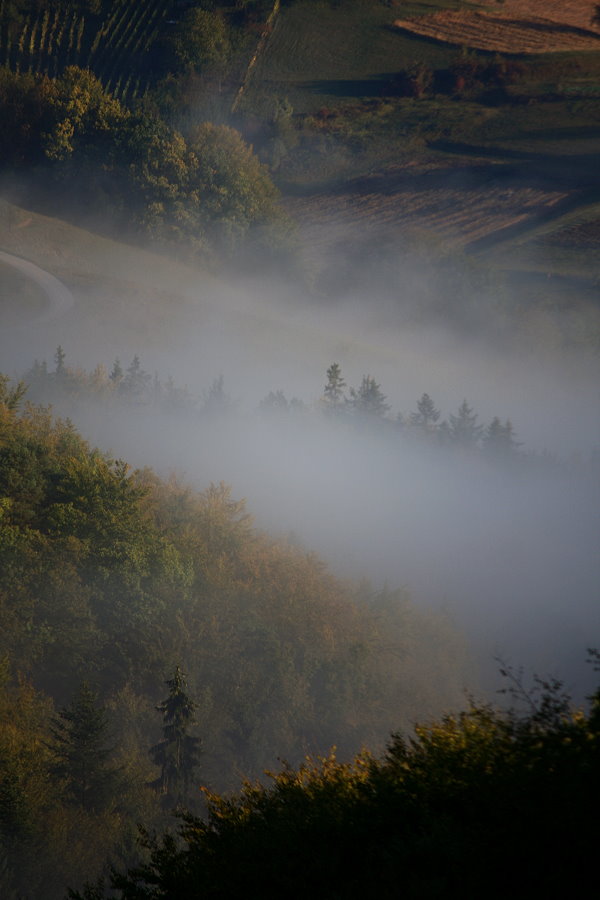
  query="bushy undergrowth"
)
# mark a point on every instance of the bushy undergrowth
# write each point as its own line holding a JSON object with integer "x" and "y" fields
{"x": 484, "y": 803}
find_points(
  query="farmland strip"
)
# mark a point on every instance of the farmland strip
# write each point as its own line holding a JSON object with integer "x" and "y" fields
{"x": 485, "y": 31}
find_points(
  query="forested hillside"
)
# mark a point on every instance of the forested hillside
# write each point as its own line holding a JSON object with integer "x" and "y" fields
{"x": 197, "y": 692}
{"x": 483, "y": 803}
{"x": 110, "y": 580}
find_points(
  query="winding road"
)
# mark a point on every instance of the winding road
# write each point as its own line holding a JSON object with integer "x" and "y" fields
{"x": 59, "y": 297}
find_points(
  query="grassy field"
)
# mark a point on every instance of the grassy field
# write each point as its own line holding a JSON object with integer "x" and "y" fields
{"x": 321, "y": 55}
{"x": 119, "y": 289}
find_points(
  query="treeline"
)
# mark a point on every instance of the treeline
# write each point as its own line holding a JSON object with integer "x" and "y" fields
{"x": 494, "y": 79}
{"x": 364, "y": 408}
{"x": 109, "y": 581}
{"x": 74, "y": 143}
{"x": 487, "y": 803}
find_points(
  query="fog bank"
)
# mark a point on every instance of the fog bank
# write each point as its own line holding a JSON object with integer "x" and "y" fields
{"x": 510, "y": 554}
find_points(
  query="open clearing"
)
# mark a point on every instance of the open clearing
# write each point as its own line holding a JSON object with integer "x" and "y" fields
{"x": 513, "y": 26}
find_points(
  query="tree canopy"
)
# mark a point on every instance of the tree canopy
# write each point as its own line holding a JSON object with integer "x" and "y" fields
{"x": 118, "y": 579}
{"x": 208, "y": 192}
{"x": 464, "y": 807}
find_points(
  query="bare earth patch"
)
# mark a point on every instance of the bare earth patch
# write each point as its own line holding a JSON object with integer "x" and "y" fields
{"x": 513, "y": 26}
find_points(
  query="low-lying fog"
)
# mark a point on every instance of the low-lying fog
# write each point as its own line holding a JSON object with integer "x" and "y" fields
{"x": 512, "y": 555}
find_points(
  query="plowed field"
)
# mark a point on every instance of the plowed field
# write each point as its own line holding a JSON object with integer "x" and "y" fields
{"x": 515, "y": 26}
{"x": 457, "y": 215}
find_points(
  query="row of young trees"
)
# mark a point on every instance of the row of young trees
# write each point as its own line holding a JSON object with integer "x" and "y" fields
{"x": 368, "y": 405}
{"x": 364, "y": 407}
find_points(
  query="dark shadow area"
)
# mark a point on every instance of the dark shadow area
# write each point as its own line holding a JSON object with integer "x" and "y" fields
{"x": 383, "y": 84}
{"x": 551, "y": 134}
{"x": 578, "y": 170}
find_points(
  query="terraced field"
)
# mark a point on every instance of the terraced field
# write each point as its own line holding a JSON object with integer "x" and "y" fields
{"x": 515, "y": 26}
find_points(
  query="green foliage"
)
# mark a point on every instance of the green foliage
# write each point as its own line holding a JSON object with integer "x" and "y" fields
{"x": 463, "y": 429}
{"x": 438, "y": 813}
{"x": 499, "y": 439}
{"x": 427, "y": 415}
{"x": 10, "y": 397}
{"x": 82, "y": 115}
{"x": 201, "y": 40}
{"x": 208, "y": 192}
{"x": 237, "y": 192}
{"x": 112, "y": 575}
{"x": 333, "y": 394}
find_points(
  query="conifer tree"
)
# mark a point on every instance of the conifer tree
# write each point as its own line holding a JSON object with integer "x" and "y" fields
{"x": 79, "y": 743}
{"x": 333, "y": 394}
{"x": 274, "y": 402}
{"x": 369, "y": 401}
{"x": 134, "y": 385}
{"x": 499, "y": 439}
{"x": 178, "y": 754}
{"x": 426, "y": 415}
{"x": 117, "y": 372}
{"x": 463, "y": 429}
{"x": 59, "y": 359}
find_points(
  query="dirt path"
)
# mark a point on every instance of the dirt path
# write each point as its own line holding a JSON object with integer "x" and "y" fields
{"x": 59, "y": 297}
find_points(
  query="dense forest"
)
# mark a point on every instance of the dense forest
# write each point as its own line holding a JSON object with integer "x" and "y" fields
{"x": 158, "y": 649}
{"x": 109, "y": 581}
{"x": 483, "y": 803}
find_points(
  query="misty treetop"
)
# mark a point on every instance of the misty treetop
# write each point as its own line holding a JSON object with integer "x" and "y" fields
{"x": 364, "y": 409}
